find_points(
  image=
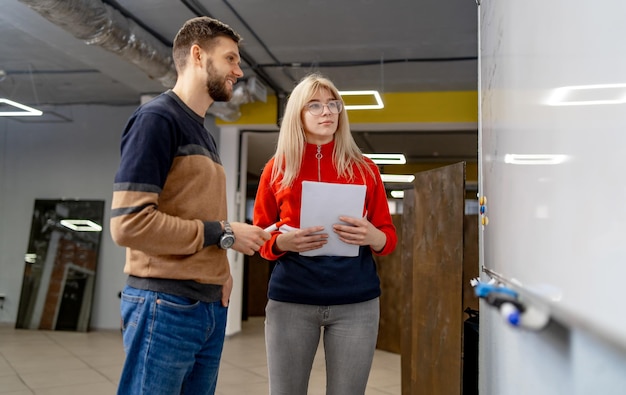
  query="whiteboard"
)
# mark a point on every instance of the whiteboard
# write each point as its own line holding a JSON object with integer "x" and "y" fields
{"x": 552, "y": 154}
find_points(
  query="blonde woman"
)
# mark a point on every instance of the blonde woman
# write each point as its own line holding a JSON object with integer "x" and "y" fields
{"x": 338, "y": 294}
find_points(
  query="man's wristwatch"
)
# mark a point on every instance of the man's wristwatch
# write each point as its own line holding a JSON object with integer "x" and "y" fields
{"x": 228, "y": 237}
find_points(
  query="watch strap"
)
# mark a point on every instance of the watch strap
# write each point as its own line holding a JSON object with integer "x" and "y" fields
{"x": 227, "y": 227}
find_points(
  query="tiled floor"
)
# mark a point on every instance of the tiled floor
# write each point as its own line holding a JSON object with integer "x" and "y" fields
{"x": 69, "y": 363}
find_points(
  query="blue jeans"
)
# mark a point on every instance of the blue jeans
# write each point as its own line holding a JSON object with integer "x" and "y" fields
{"x": 292, "y": 335}
{"x": 173, "y": 344}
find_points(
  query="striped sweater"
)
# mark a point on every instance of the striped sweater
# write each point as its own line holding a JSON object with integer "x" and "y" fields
{"x": 169, "y": 196}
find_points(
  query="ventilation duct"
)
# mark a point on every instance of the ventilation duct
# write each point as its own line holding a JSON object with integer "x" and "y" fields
{"x": 99, "y": 24}
{"x": 244, "y": 92}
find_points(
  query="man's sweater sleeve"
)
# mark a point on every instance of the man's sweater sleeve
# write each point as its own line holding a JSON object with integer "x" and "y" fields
{"x": 147, "y": 152}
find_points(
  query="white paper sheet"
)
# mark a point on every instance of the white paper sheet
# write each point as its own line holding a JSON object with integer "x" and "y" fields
{"x": 322, "y": 204}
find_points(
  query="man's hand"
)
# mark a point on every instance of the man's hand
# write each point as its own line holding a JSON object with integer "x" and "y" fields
{"x": 248, "y": 238}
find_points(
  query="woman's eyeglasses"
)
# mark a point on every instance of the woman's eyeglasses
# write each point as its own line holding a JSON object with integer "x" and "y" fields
{"x": 317, "y": 108}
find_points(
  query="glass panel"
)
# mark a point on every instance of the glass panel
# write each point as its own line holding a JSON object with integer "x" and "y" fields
{"x": 60, "y": 265}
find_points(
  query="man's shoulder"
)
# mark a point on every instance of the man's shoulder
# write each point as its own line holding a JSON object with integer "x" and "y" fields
{"x": 159, "y": 104}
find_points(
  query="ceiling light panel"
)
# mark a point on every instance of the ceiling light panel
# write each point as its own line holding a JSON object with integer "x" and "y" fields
{"x": 22, "y": 109}
{"x": 387, "y": 159}
{"x": 368, "y": 104}
{"x": 397, "y": 177}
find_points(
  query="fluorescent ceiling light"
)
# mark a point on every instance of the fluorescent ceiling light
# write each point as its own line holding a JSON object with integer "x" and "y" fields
{"x": 397, "y": 194}
{"x": 587, "y": 95}
{"x": 48, "y": 116}
{"x": 387, "y": 159}
{"x": 81, "y": 225}
{"x": 397, "y": 177}
{"x": 379, "y": 102}
{"x": 26, "y": 111}
{"x": 534, "y": 159}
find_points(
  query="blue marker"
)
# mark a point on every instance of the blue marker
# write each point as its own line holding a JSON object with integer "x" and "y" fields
{"x": 511, "y": 313}
{"x": 528, "y": 317}
{"x": 482, "y": 290}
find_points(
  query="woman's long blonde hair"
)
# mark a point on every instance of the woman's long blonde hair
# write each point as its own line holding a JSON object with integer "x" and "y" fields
{"x": 292, "y": 139}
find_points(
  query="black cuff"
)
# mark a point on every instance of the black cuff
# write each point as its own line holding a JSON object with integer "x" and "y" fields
{"x": 212, "y": 233}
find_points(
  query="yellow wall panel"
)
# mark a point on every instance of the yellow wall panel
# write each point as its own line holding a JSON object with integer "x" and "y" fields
{"x": 403, "y": 107}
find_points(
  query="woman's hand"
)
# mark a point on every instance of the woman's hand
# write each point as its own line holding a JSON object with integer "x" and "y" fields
{"x": 361, "y": 232}
{"x": 301, "y": 240}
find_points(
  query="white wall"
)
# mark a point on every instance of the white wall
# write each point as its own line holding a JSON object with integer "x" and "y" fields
{"x": 553, "y": 227}
{"x": 229, "y": 154}
{"x": 60, "y": 160}
{"x": 64, "y": 160}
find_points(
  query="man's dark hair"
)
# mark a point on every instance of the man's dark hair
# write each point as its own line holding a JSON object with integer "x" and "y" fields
{"x": 202, "y": 31}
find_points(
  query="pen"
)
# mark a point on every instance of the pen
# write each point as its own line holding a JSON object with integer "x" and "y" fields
{"x": 277, "y": 225}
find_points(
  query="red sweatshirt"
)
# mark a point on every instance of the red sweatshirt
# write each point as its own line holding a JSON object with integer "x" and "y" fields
{"x": 321, "y": 280}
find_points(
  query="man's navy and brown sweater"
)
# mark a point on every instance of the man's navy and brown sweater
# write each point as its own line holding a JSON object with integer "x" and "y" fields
{"x": 169, "y": 196}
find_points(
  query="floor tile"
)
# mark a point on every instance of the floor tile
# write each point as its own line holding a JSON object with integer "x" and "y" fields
{"x": 10, "y": 384}
{"x": 36, "y": 362}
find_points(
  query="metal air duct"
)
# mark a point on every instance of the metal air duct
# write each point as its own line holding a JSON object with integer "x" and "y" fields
{"x": 99, "y": 24}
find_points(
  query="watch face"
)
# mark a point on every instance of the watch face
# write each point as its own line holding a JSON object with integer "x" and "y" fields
{"x": 227, "y": 241}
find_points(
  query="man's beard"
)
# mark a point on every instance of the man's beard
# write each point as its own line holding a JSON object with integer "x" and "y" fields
{"x": 216, "y": 85}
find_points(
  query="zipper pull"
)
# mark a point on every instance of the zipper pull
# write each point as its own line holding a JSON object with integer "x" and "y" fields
{"x": 318, "y": 155}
